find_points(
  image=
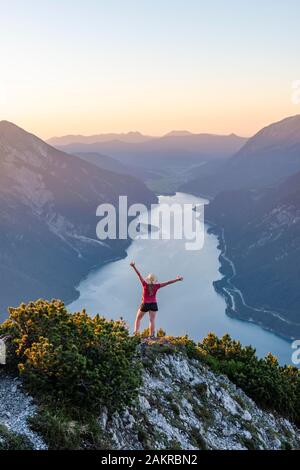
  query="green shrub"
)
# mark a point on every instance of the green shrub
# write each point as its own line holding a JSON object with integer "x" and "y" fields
{"x": 175, "y": 408}
{"x": 13, "y": 441}
{"x": 59, "y": 432}
{"x": 173, "y": 444}
{"x": 198, "y": 439}
{"x": 201, "y": 390}
{"x": 145, "y": 333}
{"x": 63, "y": 431}
{"x": 270, "y": 385}
{"x": 186, "y": 345}
{"x": 86, "y": 361}
{"x": 161, "y": 333}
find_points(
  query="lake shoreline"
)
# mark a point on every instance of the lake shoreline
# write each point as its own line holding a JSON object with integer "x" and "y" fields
{"x": 226, "y": 288}
{"x": 112, "y": 291}
{"x": 92, "y": 270}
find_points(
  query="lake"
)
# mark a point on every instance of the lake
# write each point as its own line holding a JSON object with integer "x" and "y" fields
{"x": 191, "y": 307}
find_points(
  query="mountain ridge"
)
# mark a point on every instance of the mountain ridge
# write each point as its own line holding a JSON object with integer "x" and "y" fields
{"x": 182, "y": 404}
{"x": 260, "y": 230}
{"x": 165, "y": 163}
{"x": 48, "y": 202}
{"x": 265, "y": 159}
{"x": 130, "y": 137}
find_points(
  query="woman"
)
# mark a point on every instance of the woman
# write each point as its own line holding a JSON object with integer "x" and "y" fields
{"x": 149, "y": 304}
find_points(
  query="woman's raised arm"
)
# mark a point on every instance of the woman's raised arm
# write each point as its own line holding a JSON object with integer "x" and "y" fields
{"x": 178, "y": 278}
{"x": 132, "y": 264}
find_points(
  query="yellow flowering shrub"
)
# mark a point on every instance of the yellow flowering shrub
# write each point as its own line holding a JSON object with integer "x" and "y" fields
{"x": 89, "y": 362}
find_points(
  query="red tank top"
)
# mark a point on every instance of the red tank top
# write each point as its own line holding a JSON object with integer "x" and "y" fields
{"x": 149, "y": 293}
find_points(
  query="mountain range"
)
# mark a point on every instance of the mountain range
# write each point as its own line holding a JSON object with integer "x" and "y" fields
{"x": 48, "y": 202}
{"x": 164, "y": 163}
{"x": 260, "y": 235}
{"x": 255, "y": 208}
{"x": 259, "y": 230}
{"x": 173, "y": 145}
{"x": 130, "y": 137}
{"x": 265, "y": 159}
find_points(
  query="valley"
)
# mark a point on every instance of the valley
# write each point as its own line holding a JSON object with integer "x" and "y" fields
{"x": 255, "y": 218}
{"x": 48, "y": 203}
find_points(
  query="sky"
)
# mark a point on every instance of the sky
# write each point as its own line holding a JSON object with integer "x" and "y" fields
{"x": 96, "y": 66}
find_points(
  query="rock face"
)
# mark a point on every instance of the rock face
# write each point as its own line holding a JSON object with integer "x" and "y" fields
{"x": 15, "y": 409}
{"x": 48, "y": 203}
{"x": 183, "y": 405}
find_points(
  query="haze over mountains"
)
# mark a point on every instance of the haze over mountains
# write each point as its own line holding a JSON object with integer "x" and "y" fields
{"x": 266, "y": 158}
{"x": 163, "y": 162}
{"x": 179, "y": 142}
{"x": 130, "y": 137}
{"x": 107, "y": 163}
{"x": 48, "y": 202}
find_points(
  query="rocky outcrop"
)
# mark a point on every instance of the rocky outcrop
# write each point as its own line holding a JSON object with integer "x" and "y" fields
{"x": 16, "y": 407}
{"x": 184, "y": 405}
{"x": 181, "y": 404}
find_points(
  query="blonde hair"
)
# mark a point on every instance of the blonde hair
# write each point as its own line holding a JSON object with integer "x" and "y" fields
{"x": 151, "y": 278}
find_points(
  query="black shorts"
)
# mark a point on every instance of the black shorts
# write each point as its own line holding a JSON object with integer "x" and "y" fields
{"x": 149, "y": 307}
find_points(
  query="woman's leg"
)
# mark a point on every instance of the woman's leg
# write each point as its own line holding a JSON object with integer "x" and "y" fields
{"x": 152, "y": 316}
{"x": 138, "y": 320}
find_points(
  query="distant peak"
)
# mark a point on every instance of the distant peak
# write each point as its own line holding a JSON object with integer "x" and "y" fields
{"x": 12, "y": 133}
{"x": 296, "y": 117}
{"x": 9, "y": 129}
{"x": 8, "y": 125}
{"x": 178, "y": 133}
{"x": 288, "y": 127}
{"x": 134, "y": 133}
